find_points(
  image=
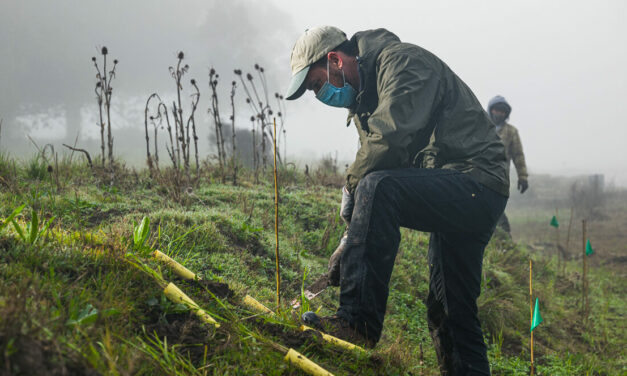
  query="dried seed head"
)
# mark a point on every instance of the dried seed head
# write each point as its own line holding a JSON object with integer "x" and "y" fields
{"x": 231, "y": 117}
{"x": 104, "y": 50}
{"x": 212, "y": 71}
{"x": 252, "y": 118}
{"x": 186, "y": 66}
{"x": 93, "y": 58}
{"x": 279, "y": 113}
{"x": 257, "y": 66}
{"x": 249, "y": 76}
{"x": 98, "y": 84}
{"x": 238, "y": 72}
{"x": 215, "y": 82}
{"x": 193, "y": 82}
{"x": 276, "y": 95}
{"x": 115, "y": 61}
{"x": 50, "y": 169}
{"x": 281, "y": 97}
{"x": 261, "y": 69}
{"x": 247, "y": 100}
{"x": 196, "y": 138}
{"x": 269, "y": 112}
{"x": 152, "y": 117}
{"x": 233, "y": 83}
{"x": 181, "y": 55}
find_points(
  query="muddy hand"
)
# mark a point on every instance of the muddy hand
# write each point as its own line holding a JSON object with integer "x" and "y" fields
{"x": 334, "y": 263}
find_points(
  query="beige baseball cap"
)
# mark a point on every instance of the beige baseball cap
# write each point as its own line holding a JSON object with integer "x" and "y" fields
{"x": 312, "y": 46}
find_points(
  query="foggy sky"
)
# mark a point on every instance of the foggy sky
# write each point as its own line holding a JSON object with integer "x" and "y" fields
{"x": 560, "y": 64}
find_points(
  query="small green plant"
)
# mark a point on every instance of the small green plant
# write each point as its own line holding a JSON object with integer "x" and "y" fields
{"x": 32, "y": 233}
{"x": 10, "y": 218}
{"x": 140, "y": 234}
{"x": 88, "y": 315}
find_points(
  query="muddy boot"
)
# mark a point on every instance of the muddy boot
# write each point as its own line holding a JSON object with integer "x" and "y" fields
{"x": 337, "y": 327}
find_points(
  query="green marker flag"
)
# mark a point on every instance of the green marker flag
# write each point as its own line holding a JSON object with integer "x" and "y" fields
{"x": 537, "y": 318}
{"x": 589, "y": 250}
{"x": 554, "y": 222}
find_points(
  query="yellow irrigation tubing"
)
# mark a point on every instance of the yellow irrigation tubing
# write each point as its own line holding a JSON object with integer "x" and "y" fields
{"x": 256, "y": 305}
{"x": 334, "y": 340}
{"x": 301, "y": 361}
{"x": 177, "y": 268}
{"x": 185, "y": 273}
{"x": 177, "y": 296}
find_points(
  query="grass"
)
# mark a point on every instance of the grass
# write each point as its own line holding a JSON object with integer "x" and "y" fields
{"x": 75, "y": 300}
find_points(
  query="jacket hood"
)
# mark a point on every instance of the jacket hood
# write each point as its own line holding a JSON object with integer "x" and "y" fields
{"x": 499, "y": 99}
{"x": 371, "y": 42}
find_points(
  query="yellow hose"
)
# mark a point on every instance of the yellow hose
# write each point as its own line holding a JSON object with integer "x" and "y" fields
{"x": 256, "y": 305}
{"x": 301, "y": 361}
{"x": 334, "y": 340}
{"x": 177, "y": 268}
{"x": 177, "y": 296}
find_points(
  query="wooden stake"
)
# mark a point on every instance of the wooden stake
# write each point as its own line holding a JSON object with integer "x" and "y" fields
{"x": 570, "y": 223}
{"x": 531, "y": 309}
{"x": 557, "y": 242}
{"x": 584, "y": 282}
{"x": 276, "y": 222}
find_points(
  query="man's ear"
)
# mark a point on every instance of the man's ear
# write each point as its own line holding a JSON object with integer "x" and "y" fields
{"x": 334, "y": 59}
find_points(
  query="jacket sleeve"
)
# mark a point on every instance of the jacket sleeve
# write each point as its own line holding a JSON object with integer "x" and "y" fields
{"x": 518, "y": 157}
{"x": 408, "y": 91}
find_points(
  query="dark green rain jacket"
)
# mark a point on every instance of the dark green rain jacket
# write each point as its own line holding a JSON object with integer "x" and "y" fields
{"x": 409, "y": 97}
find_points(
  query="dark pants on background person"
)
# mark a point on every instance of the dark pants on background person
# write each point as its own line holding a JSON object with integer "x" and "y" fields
{"x": 461, "y": 215}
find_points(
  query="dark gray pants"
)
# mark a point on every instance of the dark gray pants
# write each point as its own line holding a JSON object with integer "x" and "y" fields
{"x": 461, "y": 215}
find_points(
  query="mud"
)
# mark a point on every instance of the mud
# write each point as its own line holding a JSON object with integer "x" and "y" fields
{"x": 220, "y": 290}
{"x": 288, "y": 337}
{"x": 185, "y": 331}
{"x": 44, "y": 356}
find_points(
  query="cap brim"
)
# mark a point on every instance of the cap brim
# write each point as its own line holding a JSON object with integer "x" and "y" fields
{"x": 297, "y": 84}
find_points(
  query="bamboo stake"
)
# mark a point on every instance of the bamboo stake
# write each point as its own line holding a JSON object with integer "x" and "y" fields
{"x": 531, "y": 309}
{"x": 276, "y": 222}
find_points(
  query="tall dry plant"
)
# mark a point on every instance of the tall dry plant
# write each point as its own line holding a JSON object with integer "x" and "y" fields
{"x": 258, "y": 101}
{"x": 234, "y": 161}
{"x": 192, "y": 120}
{"x": 181, "y": 127}
{"x": 104, "y": 91}
{"x": 149, "y": 158}
{"x": 215, "y": 112}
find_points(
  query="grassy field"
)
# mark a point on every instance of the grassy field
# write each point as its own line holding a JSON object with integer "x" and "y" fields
{"x": 81, "y": 294}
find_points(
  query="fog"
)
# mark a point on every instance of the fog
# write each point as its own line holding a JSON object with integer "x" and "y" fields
{"x": 560, "y": 64}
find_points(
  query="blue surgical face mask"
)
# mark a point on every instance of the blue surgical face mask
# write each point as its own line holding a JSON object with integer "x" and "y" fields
{"x": 336, "y": 96}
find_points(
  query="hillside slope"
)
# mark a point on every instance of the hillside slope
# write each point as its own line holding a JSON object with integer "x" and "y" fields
{"x": 84, "y": 297}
